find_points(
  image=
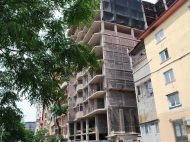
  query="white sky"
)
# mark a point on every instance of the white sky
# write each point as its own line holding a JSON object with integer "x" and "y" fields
{"x": 28, "y": 111}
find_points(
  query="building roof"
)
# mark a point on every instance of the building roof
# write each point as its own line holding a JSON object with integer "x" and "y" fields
{"x": 176, "y": 5}
{"x": 137, "y": 48}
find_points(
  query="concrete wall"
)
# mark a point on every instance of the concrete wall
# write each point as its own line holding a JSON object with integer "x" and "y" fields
{"x": 177, "y": 34}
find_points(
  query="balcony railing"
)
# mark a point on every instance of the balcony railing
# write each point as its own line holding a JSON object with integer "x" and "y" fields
{"x": 139, "y": 59}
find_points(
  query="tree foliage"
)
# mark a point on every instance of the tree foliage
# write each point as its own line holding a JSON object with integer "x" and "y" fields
{"x": 40, "y": 135}
{"x": 35, "y": 53}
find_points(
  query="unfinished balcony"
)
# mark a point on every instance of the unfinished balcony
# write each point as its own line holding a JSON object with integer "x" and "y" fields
{"x": 96, "y": 91}
{"x": 79, "y": 86}
{"x": 79, "y": 98}
{"x": 97, "y": 76}
{"x": 96, "y": 106}
{"x": 79, "y": 111}
{"x": 95, "y": 28}
{"x": 79, "y": 75}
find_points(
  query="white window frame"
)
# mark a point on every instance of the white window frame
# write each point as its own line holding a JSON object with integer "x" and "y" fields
{"x": 159, "y": 35}
{"x": 176, "y": 100}
{"x": 170, "y": 76}
{"x": 165, "y": 57}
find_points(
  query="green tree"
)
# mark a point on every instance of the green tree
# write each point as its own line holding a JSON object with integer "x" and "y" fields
{"x": 52, "y": 138}
{"x": 29, "y": 136}
{"x": 40, "y": 135}
{"x": 58, "y": 110}
{"x": 35, "y": 53}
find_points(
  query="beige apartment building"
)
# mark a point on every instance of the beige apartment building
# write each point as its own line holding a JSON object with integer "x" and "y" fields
{"x": 162, "y": 77}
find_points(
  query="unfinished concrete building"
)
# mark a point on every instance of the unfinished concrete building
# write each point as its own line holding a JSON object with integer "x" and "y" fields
{"x": 102, "y": 105}
{"x": 153, "y": 11}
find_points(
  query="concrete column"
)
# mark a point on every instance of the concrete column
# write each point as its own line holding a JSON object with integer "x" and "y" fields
{"x": 96, "y": 127}
{"x": 87, "y": 129}
{"x": 115, "y": 28}
{"x": 165, "y": 5}
{"x": 121, "y": 121}
{"x": 131, "y": 113}
{"x": 81, "y": 129}
{"x": 68, "y": 132}
{"x": 75, "y": 130}
{"x": 146, "y": 25}
{"x": 132, "y": 33}
{"x": 95, "y": 104}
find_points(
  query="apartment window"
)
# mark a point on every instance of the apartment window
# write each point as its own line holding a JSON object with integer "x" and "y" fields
{"x": 169, "y": 76}
{"x": 79, "y": 107}
{"x": 164, "y": 55}
{"x": 174, "y": 100}
{"x": 53, "y": 130}
{"x": 146, "y": 129}
{"x": 189, "y": 7}
{"x": 160, "y": 35}
{"x": 138, "y": 90}
{"x": 157, "y": 127}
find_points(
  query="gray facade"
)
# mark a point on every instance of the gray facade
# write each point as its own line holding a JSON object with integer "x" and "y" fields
{"x": 144, "y": 95}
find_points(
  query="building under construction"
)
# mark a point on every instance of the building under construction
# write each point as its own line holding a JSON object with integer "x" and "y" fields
{"x": 102, "y": 105}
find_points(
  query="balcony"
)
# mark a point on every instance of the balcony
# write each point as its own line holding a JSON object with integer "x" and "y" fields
{"x": 93, "y": 29}
{"x": 95, "y": 39}
{"x": 96, "y": 77}
{"x": 96, "y": 106}
{"x": 79, "y": 100}
{"x": 79, "y": 87}
{"x": 79, "y": 114}
{"x": 139, "y": 59}
{"x": 79, "y": 75}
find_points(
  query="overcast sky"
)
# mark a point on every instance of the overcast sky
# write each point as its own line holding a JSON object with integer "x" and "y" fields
{"x": 29, "y": 111}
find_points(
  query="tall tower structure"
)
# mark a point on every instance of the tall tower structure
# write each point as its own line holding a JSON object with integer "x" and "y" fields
{"x": 102, "y": 105}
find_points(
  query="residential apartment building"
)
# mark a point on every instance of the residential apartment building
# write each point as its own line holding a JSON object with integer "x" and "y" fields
{"x": 48, "y": 120}
{"x": 39, "y": 111}
{"x": 102, "y": 105}
{"x": 30, "y": 126}
{"x": 162, "y": 78}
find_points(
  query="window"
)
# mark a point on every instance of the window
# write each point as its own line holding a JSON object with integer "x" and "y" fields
{"x": 164, "y": 55}
{"x": 180, "y": 130}
{"x": 160, "y": 35}
{"x": 174, "y": 100}
{"x": 138, "y": 90}
{"x": 157, "y": 127}
{"x": 169, "y": 76}
{"x": 189, "y": 7}
{"x": 147, "y": 128}
{"x": 79, "y": 107}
